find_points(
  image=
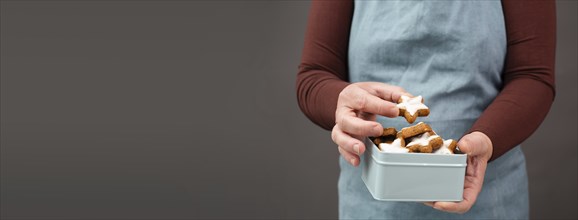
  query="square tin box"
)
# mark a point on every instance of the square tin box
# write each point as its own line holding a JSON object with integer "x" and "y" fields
{"x": 413, "y": 176}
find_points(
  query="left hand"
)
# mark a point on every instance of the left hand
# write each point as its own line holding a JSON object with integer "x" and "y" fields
{"x": 478, "y": 147}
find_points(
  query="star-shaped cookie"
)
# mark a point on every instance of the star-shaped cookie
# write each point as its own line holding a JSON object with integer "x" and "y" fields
{"x": 411, "y": 108}
{"x": 449, "y": 147}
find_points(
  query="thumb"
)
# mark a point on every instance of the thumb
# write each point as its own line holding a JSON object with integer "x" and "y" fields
{"x": 475, "y": 144}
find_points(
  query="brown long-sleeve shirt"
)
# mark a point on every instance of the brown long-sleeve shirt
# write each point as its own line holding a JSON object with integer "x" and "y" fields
{"x": 528, "y": 76}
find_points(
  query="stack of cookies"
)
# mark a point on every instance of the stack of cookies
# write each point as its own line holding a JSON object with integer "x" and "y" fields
{"x": 419, "y": 138}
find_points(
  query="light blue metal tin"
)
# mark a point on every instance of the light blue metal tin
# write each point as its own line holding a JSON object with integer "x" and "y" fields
{"x": 413, "y": 176}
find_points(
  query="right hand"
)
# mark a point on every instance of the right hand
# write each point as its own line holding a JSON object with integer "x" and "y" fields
{"x": 357, "y": 108}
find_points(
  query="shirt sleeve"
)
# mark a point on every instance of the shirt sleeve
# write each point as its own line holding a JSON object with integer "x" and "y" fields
{"x": 323, "y": 68}
{"x": 529, "y": 88}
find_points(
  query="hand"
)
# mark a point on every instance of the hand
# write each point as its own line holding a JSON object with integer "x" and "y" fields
{"x": 478, "y": 147}
{"x": 357, "y": 107}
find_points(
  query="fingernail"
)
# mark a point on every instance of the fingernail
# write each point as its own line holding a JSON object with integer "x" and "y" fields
{"x": 352, "y": 161}
{"x": 356, "y": 149}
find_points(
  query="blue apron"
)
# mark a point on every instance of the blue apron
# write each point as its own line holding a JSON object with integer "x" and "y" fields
{"x": 452, "y": 53}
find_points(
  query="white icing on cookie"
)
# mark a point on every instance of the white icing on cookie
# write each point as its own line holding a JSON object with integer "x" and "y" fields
{"x": 411, "y": 105}
{"x": 422, "y": 140}
{"x": 444, "y": 148}
{"x": 394, "y": 147}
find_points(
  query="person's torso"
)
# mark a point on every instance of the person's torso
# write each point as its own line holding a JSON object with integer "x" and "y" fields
{"x": 450, "y": 52}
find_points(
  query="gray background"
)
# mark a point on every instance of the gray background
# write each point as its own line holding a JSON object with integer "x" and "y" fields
{"x": 187, "y": 109}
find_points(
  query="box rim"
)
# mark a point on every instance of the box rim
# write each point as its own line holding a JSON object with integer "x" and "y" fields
{"x": 408, "y": 159}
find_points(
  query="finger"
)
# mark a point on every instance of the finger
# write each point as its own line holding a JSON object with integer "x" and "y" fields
{"x": 466, "y": 145}
{"x": 349, "y": 157}
{"x": 342, "y": 112}
{"x": 430, "y": 204}
{"x": 388, "y": 92}
{"x": 367, "y": 116}
{"x": 357, "y": 126}
{"x": 359, "y": 99}
{"x": 346, "y": 141}
{"x": 475, "y": 144}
